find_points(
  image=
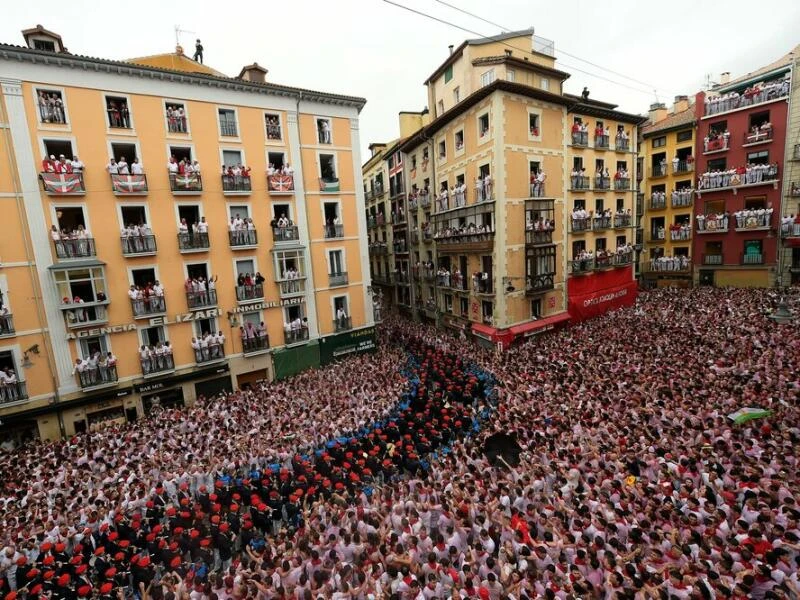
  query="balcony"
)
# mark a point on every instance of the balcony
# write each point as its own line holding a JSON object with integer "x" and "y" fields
{"x": 622, "y": 144}
{"x": 466, "y": 242}
{"x": 243, "y": 238}
{"x": 191, "y": 183}
{"x": 657, "y": 237}
{"x": 255, "y": 345}
{"x": 290, "y": 288}
{"x": 483, "y": 284}
{"x": 378, "y": 249}
{"x": 129, "y": 185}
{"x": 600, "y": 223}
{"x": 7, "y": 325}
{"x": 280, "y": 184}
{"x": 751, "y": 220}
{"x": 376, "y": 220}
{"x": 752, "y": 259}
{"x": 328, "y": 185}
{"x": 85, "y": 314}
{"x": 94, "y": 376}
{"x": 682, "y": 166}
{"x": 295, "y": 335}
{"x": 622, "y": 259}
{"x": 622, "y": 221}
{"x": 249, "y": 293}
{"x": 678, "y": 233}
{"x": 333, "y": 231}
{"x": 427, "y": 236}
{"x": 538, "y": 283}
{"x": 236, "y": 185}
{"x": 205, "y": 353}
{"x": 453, "y": 281}
{"x": 579, "y": 183}
{"x": 659, "y": 170}
{"x": 658, "y": 201}
{"x": 400, "y": 277}
{"x": 541, "y": 237}
{"x": 287, "y": 234}
{"x": 537, "y": 189}
{"x": 711, "y": 224}
{"x": 580, "y": 138}
{"x": 712, "y": 259}
{"x": 193, "y": 242}
{"x": 147, "y": 307}
{"x": 200, "y": 300}
{"x": 425, "y": 200}
{"x": 602, "y": 183}
{"x": 716, "y": 145}
{"x": 601, "y": 142}
{"x": 337, "y": 279}
{"x": 138, "y": 245}
{"x": 670, "y": 264}
{"x": 581, "y": 266}
{"x": 13, "y": 392}
{"x": 580, "y": 224}
{"x": 63, "y": 184}
{"x": 751, "y": 97}
{"x": 78, "y": 248}
{"x": 794, "y": 189}
{"x": 157, "y": 364}
{"x": 342, "y": 324}
{"x": 681, "y": 198}
{"x": 400, "y": 247}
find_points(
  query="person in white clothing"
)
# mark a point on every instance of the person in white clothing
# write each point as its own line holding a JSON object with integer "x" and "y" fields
{"x": 112, "y": 167}
{"x": 122, "y": 165}
{"x": 136, "y": 167}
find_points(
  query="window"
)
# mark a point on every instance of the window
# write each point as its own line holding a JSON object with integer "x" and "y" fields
{"x": 232, "y": 158}
{"x": 533, "y": 124}
{"x": 577, "y": 163}
{"x": 92, "y": 345}
{"x": 759, "y": 119}
{"x": 578, "y": 246}
{"x": 336, "y": 262}
{"x": 324, "y": 131}
{"x": 238, "y": 211}
{"x": 227, "y": 122}
{"x": 273, "y": 125}
{"x": 545, "y": 84}
{"x": 143, "y": 277}
{"x": 448, "y": 303}
{"x": 457, "y": 95}
{"x": 684, "y": 136}
{"x": 755, "y": 203}
{"x": 621, "y": 240}
{"x": 133, "y": 215}
{"x": 487, "y": 77}
{"x": 181, "y": 153}
{"x": 510, "y": 75}
{"x": 204, "y": 326}
{"x": 758, "y": 158}
{"x": 119, "y": 115}
{"x": 45, "y": 45}
{"x": 189, "y": 212}
{"x": 289, "y": 260}
{"x": 152, "y": 336}
{"x": 717, "y": 164}
{"x": 600, "y": 244}
{"x": 11, "y": 392}
{"x": 70, "y": 219}
{"x": 177, "y": 120}
{"x": 536, "y": 308}
{"x": 541, "y": 261}
{"x": 718, "y": 128}
{"x": 753, "y": 252}
{"x": 276, "y": 160}
{"x": 483, "y": 125}
{"x": 620, "y": 204}
{"x": 459, "y": 139}
{"x": 123, "y": 152}
{"x": 448, "y": 74}
{"x": 413, "y": 162}
{"x": 464, "y": 306}
{"x": 487, "y": 310}
{"x": 442, "y": 150}
{"x": 327, "y": 170}
{"x": 660, "y": 142}
{"x": 51, "y": 106}
{"x": 59, "y": 148}
{"x": 440, "y": 108}
{"x": 598, "y": 206}
{"x": 580, "y": 204}
{"x": 333, "y": 223}
{"x": 89, "y": 285}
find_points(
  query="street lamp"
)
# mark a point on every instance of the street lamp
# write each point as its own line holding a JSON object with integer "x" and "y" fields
{"x": 782, "y": 314}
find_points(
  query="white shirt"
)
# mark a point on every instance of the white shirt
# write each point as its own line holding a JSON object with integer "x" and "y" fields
{"x": 113, "y": 168}
{"x": 137, "y": 169}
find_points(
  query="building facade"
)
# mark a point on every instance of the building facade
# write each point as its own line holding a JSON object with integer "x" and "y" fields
{"x": 789, "y": 257}
{"x": 488, "y": 235}
{"x": 741, "y": 137}
{"x": 224, "y": 244}
{"x": 667, "y": 152}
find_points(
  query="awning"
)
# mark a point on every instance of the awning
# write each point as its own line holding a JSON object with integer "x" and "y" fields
{"x": 485, "y": 331}
{"x": 540, "y": 325}
{"x": 76, "y": 264}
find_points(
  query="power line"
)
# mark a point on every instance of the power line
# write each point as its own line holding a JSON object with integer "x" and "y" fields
{"x": 564, "y": 52}
{"x": 451, "y": 24}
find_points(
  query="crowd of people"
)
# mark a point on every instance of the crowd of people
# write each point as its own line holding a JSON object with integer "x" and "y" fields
{"x": 679, "y": 262}
{"x": 242, "y": 231}
{"x": 97, "y": 368}
{"x": 156, "y": 358}
{"x": 760, "y": 92}
{"x": 367, "y": 479}
{"x": 51, "y": 108}
{"x": 147, "y": 298}
{"x": 465, "y": 233}
{"x": 679, "y": 232}
{"x": 208, "y": 346}
{"x": 235, "y": 178}
{"x": 194, "y": 234}
{"x": 201, "y": 291}
{"x": 176, "y": 119}
{"x": 62, "y": 165}
{"x": 72, "y": 242}
{"x": 122, "y": 167}
{"x": 736, "y": 176}
{"x": 119, "y": 115}
{"x": 716, "y": 140}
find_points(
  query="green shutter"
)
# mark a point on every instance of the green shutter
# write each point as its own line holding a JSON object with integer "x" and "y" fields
{"x": 448, "y": 73}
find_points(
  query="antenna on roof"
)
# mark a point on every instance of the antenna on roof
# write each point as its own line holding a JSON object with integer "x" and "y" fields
{"x": 178, "y": 32}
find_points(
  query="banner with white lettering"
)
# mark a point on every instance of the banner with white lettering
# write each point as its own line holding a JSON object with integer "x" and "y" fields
{"x": 597, "y": 293}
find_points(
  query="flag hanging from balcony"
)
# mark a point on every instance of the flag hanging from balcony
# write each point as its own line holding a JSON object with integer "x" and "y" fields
{"x": 329, "y": 186}
{"x": 62, "y": 183}
{"x": 190, "y": 181}
{"x": 280, "y": 183}
{"x": 129, "y": 184}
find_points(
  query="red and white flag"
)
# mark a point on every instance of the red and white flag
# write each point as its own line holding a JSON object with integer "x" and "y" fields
{"x": 62, "y": 183}
{"x": 129, "y": 184}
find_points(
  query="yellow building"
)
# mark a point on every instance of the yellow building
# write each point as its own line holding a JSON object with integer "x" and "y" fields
{"x": 263, "y": 239}
{"x": 666, "y": 152}
{"x": 488, "y": 196}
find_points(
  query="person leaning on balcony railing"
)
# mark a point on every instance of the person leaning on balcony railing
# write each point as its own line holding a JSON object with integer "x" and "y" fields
{"x": 8, "y": 385}
{"x": 341, "y": 317}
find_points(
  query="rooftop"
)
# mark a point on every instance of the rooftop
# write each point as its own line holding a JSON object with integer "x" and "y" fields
{"x": 684, "y": 117}
{"x": 780, "y": 64}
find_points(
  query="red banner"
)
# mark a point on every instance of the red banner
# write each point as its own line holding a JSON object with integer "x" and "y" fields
{"x": 62, "y": 183}
{"x": 129, "y": 184}
{"x": 595, "y": 294}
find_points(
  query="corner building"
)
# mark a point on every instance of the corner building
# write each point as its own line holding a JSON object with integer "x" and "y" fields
{"x": 284, "y": 158}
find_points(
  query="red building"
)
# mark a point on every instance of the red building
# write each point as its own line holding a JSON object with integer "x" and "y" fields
{"x": 741, "y": 132}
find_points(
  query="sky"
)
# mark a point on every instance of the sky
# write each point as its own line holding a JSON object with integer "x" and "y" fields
{"x": 384, "y": 53}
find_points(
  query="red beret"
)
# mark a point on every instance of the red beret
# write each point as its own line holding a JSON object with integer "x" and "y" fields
{"x": 234, "y": 507}
{"x": 124, "y": 543}
{"x": 178, "y": 530}
{"x": 75, "y": 560}
{"x": 106, "y": 588}
{"x": 21, "y": 561}
{"x": 175, "y": 562}
{"x": 46, "y": 547}
{"x": 84, "y": 590}
{"x": 171, "y": 511}
{"x": 173, "y": 546}
{"x": 32, "y": 573}
{"x": 215, "y": 519}
{"x": 156, "y": 529}
{"x": 36, "y": 589}
{"x": 49, "y": 575}
{"x": 119, "y": 556}
{"x": 110, "y": 572}
{"x": 81, "y": 569}
{"x": 205, "y": 543}
{"x": 11, "y": 596}
{"x": 150, "y": 537}
{"x": 63, "y": 580}
{"x": 113, "y": 536}
{"x": 144, "y": 562}
{"x": 48, "y": 560}
{"x": 224, "y": 527}
{"x": 101, "y": 549}
{"x": 237, "y": 496}
{"x": 60, "y": 547}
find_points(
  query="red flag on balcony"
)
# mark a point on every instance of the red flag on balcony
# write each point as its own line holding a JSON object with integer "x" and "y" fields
{"x": 280, "y": 183}
{"x": 189, "y": 181}
{"x": 62, "y": 183}
{"x": 129, "y": 184}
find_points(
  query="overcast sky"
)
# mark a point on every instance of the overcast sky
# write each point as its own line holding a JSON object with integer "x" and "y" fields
{"x": 372, "y": 49}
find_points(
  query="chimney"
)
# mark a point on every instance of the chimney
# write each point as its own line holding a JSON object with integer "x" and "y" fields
{"x": 254, "y": 73}
{"x": 724, "y": 77}
{"x": 450, "y": 47}
{"x": 658, "y": 112}
{"x": 681, "y": 104}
